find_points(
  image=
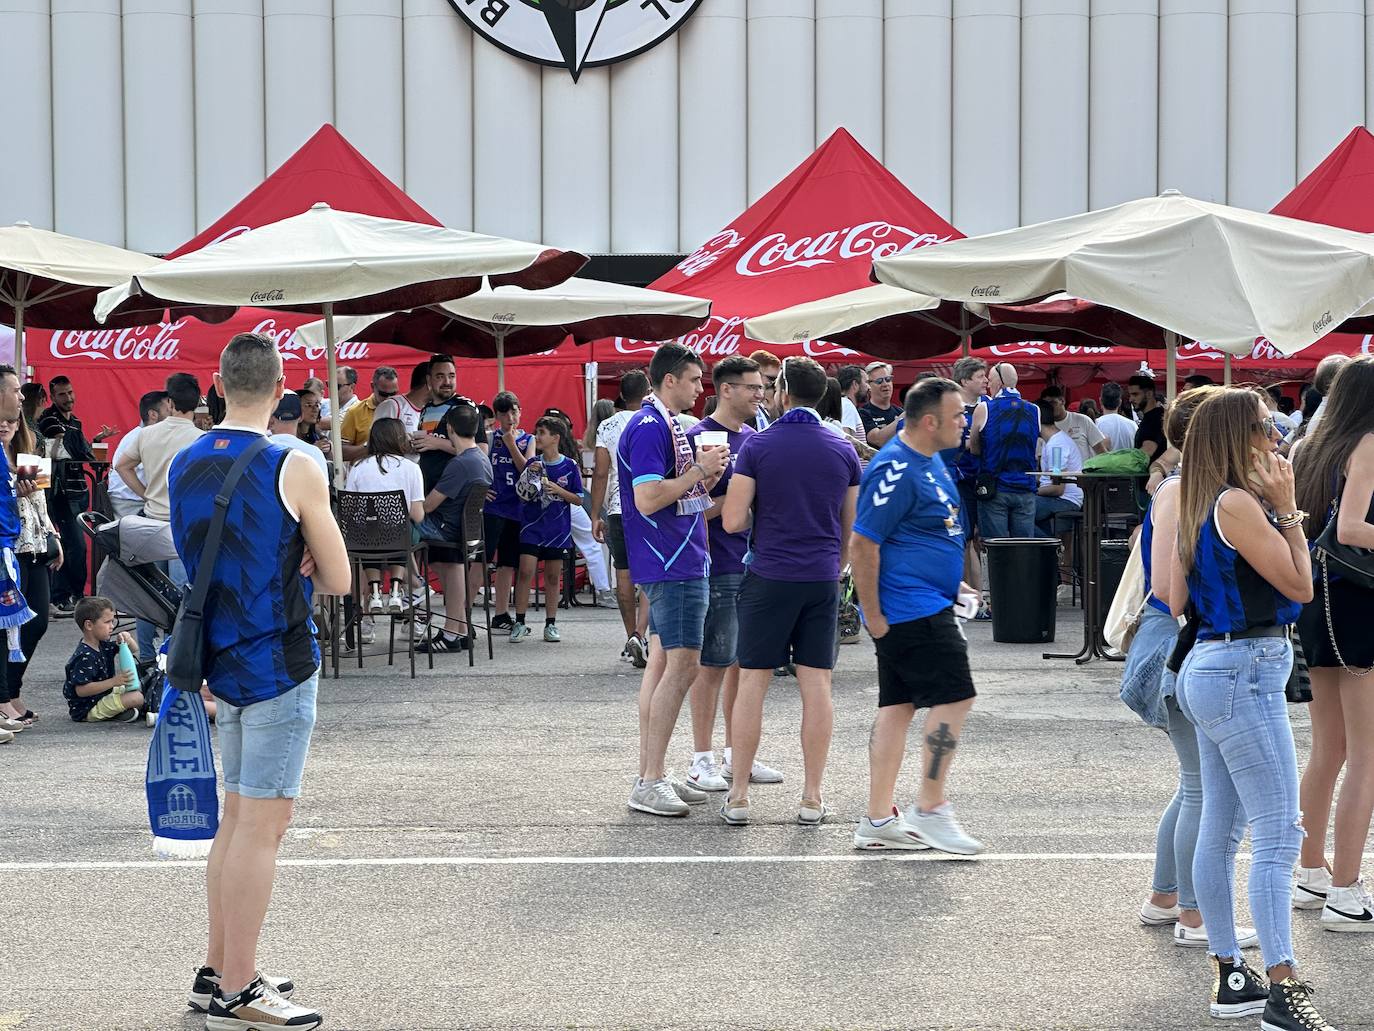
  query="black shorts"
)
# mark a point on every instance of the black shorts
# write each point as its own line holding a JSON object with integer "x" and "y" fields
{"x": 968, "y": 509}
{"x": 503, "y": 540}
{"x": 781, "y": 622}
{"x": 544, "y": 554}
{"x": 924, "y": 663}
{"x": 615, "y": 539}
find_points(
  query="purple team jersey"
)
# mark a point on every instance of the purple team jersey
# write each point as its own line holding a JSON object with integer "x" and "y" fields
{"x": 506, "y": 502}
{"x": 801, "y": 472}
{"x": 550, "y": 525}
{"x": 665, "y": 546}
{"x": 727, "y": 549}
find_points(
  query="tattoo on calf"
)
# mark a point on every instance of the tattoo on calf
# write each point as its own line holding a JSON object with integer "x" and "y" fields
{"x": 942, "y": 743}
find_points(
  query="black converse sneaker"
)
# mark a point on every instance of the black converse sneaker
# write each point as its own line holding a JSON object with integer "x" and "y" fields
{"x": 206, "y": 988}
{"x": 259, "y": 1008}
{"x": 1290, "y": 1008}
{"x": 1238, "y": 991}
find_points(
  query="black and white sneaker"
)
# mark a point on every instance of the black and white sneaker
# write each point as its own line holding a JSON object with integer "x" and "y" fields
{"x": 439, "y": 641}
{"x": 207, "y": 988}
{"x": 1310, "y": 887}
{"x": 638, "y": 650}
{"x": 259, "y": 1008}
{"x": 1290, "y": 1008}
{"x": 501, "y": 623}
{"x": 1238, "y": 991}
{"x": 1348, "y": 909}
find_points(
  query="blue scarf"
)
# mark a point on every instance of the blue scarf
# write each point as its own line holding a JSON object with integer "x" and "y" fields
{"x": 183, "y": 795}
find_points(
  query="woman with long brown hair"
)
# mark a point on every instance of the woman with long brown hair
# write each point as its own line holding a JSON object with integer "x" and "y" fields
{"x": 1242, "y": 572}
{"x": 1335, "y": 479}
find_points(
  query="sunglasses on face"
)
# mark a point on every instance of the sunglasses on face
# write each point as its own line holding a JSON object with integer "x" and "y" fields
{"x": 879, "y": 381}
{"x": 1269, "y": 427}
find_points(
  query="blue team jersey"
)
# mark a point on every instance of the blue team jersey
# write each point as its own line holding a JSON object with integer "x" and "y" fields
{"x": 259, "y": 635}
{"x": 506, "y": 503}
{"x": 1008, "y": 441}
{"x": 1230, "y": 597}
{"x": 546, "y": 522}
{"x": 1147, "y": 541}
{"x": 960, "y": 461}
{"x": 909, "y": 506}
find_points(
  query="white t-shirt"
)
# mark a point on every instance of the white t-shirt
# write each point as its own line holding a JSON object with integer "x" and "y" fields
{"x": 608, "y": 436}
{"x": 295, "y": 443}
{"x": 394, "y": 473}
{"x": 326, "y": 407}
{"x": 1084, "y": 432}
{"x": 1067, "y": 459}
{"x": 399, "y": 407}
{"x": 850, "y": 418}
{"x": 1119, "y": 431}
{"x": 115, "y": 484}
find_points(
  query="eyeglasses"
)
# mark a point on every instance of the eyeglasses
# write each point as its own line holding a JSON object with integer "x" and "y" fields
{"x": 770, "y": 382}
{"x": 752, "y": 388}
{"x": 880, "y": 380}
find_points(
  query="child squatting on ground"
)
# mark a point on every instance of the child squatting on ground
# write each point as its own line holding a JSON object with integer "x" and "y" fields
{"x": 96, "y": 689}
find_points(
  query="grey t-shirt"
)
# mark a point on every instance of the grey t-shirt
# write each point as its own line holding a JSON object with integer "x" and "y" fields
{"x": 460, "y": 473}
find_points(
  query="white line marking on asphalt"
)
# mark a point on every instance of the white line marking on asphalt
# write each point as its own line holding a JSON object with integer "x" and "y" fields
{"x": 457, "y": 861}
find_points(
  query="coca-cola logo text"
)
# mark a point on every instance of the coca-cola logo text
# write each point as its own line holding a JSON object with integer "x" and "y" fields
{"x": 721, "y": 337}
{"x": 775, "y": 253}
{"x": 293, "y": 350}
{"x": 267, "y": 297}
{"x": 986, "y": 291}
{"x": 1322, "y": 322}
{"x": 159, "y": 343}
{"x": 705, "y": 256}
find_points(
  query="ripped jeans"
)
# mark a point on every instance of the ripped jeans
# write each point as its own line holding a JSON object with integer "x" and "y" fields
{"x": 1233, "y": 694}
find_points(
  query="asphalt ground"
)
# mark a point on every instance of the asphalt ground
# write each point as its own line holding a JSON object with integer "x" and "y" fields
{"x": 462, "y": 857}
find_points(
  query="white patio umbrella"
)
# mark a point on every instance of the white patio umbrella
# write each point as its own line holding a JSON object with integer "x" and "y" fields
{"x": 49, "y": 281}
{"x": 330, "y": 263}
{"x": 507, "y": 321}
{"x": 1197, "y": 270}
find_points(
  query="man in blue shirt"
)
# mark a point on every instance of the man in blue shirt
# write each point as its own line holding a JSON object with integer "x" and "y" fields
{"x": 664, "y": 497}
{"x": 1005, "y": 432}
{"x": 908, "y": 558}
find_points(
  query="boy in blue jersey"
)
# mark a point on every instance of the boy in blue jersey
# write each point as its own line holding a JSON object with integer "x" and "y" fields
{"x": 511, "y": 448}
{"x": 664, "y": 496}
{"x": 546, "y": 526}
{"x": 280, "y": 545}
{"x": 908, "y": 561}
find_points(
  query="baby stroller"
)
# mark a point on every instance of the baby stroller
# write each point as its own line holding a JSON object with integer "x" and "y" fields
{"x": 130, "y": 579}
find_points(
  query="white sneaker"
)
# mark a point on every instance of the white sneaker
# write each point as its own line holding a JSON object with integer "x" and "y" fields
{"x": 1310, "y": 887}
{"x": 1158, "y": 916}
{"x": 396, "y": 604}
{"x": 657, "y": 798}
{"x": 258, "y": 1007}
{"x": 760, "y": 774}
{"x": 894, "y": 834}
{"x": 1196, "y": 937}
{"x": 367, "y": 633}
{"x": 375, "y": 603}
{"x": 1348, "y": 909}
{"x": 685, "y": 791}
{"x": 940, "y": 830}
{"x": 812, "y": 812}
{"x": 704, "y": 775}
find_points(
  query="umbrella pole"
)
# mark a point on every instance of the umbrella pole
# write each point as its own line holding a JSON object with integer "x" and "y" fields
{"x": 19, "y": 337}
{"x": 336, "y": 419}
{"x": 501, "y": 359}
{"x": 1226, "y": 370}
{"x": 1171, "y": 364}
{"x": 965, "y": 343}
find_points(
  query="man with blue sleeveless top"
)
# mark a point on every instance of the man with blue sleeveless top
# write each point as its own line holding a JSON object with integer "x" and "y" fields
{"x": 664, "y": 496}
{"x": 280, "y": 545}
{"x": 1005, "y": 431}
{"x": 908, "y": 556}
{"x": 971, "y": 376}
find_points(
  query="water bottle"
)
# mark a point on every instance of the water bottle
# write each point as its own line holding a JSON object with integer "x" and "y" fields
{"x": 126, "y": 661}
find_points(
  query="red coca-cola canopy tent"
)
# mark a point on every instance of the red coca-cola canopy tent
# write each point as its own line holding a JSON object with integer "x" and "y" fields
{"x": 812, "y": 235}
{"x": 111, "y": 369}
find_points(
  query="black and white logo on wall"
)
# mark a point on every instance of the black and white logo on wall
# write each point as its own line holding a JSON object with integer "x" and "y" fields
{"x": 576, "y": 34}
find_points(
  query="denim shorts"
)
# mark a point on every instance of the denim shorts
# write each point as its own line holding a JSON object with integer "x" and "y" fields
{"x": 263, "y": 746}
{"x": 721, "y": 635}
{"x": 677, "y": 612}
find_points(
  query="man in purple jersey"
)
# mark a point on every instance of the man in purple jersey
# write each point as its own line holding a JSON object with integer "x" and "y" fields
{"x": 796, "y": 484}
{"x": 664, "y": 497}
{"x": 739, "y": 386}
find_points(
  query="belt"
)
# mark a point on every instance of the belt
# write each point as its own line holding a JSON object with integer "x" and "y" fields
{"x": 1250, "y": 634}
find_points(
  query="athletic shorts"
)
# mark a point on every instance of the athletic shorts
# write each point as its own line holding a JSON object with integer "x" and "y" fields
{"x": 503, "y": 540}
{"x": 677, "y": 612}
{"x": 924, "y": 663}
{"x": 615, "y": 538}
{"x": 781, "y": 621}
{"x": 968, "y": 509}
{"x": 720, "y": 639}
{"x": 263, "y": 746}
{"x": 544, "y": 554}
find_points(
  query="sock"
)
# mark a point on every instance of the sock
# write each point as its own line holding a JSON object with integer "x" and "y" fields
{"x": 727, "y": 755}
{"x": 520, "y": 618}
{"x": 550, "y": 620}
{"x": 703, "y": 757}
{"x": 883, "y": 822}
{"x": 376, "y": 586}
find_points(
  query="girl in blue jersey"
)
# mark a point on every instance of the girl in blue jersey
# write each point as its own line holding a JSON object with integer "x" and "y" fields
{"x": 1242, "y": 570}
{"x": 546, "y": 525}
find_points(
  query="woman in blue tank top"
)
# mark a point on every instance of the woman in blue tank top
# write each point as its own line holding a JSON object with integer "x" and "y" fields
{"x": 1337, "y": 462}
{"x": 1243, "y": 571}
{"x": 1147, "y": 689}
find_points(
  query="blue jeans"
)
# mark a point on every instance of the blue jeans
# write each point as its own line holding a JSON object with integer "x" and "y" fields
{"x": 1007, "y": 515}
{"x": 263, "y": 746}
{"x": 1176, "y": 838}
{"x": 677, "y": 612}
{"x": 1045, "y": 511}
{"x": 720, "y": 638}
{"x": 1233, "y": 694}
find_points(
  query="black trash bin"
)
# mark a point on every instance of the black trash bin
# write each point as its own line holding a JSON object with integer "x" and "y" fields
{"x": 1112, "y": 566}
{"x": 1023, "y": 575}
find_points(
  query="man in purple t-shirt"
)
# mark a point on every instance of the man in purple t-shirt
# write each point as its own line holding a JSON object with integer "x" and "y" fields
{"x": 664, "y": 497}
{"x": 739, "y": 385}
{"x": 801, "y": 482}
